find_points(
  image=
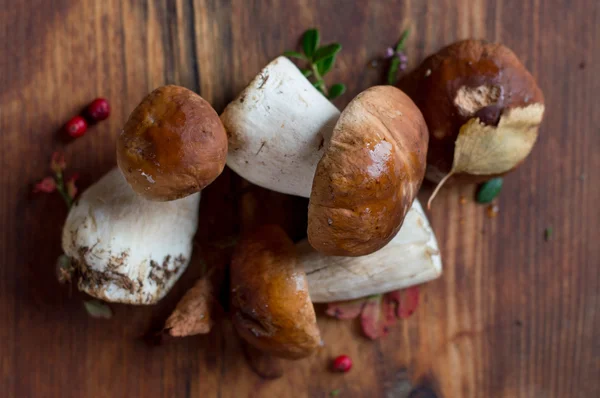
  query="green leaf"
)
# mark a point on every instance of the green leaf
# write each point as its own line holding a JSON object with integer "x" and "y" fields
{"x": 306, "y": 72}
{"x": 294, "y": 54}
{"x": 310, "y": 42}
{"x": 489, "y": 190}
{"x": 325, "y": 65}
{"x": 97, "y": 309}
{"x": 402, "y": 40}
{"x": 392, "y": 76}
{"x": 335, "y": 393}
{"x": 327, "y": 51}
{"x": 336, "y": 90}
{"x": 548, "y": 234}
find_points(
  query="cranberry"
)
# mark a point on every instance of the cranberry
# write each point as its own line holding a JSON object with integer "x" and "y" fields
{"x": 98, "y": 110}
{"x": 343, "y": 363}
{"x": 76, "y": 127}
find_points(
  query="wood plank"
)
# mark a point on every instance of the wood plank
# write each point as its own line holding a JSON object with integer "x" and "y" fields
{"x": 512, "y": 316}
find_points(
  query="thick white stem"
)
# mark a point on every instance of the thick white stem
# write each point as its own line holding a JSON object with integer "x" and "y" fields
{"x": 411, "y": 258}
{"x": 278, "y": 129}
{"x": 125, "y": 248}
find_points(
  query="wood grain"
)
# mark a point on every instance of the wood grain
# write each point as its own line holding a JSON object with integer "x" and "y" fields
{"x": 512, "y": 316}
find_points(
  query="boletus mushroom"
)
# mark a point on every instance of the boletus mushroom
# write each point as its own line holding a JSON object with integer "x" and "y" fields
{"x": 361, "y": 170}
{"x": 271, "y": 305}
{"x": 172, "y": 145}
{"x": 482, "y": 107}
{"x": 129, "y": 235}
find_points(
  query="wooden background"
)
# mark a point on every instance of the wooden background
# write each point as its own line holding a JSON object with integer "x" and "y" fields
{"x": 512, "y": 316}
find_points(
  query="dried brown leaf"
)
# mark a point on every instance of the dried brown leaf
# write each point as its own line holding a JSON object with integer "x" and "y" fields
{"x": 193, "y": 312}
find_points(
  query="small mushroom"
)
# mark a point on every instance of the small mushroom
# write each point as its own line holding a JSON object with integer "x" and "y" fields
{"x": 125, "y": 248}
{"x": 361, "y": 172}
{"x": 172, "y": 145}
{"x": 271, "y": 305}
{"x": 482, "y": 107}
{"x": 130, "y": 235}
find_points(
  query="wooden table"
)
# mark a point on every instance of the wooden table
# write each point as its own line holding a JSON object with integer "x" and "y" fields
{"x": 514, "y": 315}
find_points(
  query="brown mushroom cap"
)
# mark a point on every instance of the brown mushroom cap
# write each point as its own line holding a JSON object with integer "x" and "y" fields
{"x": 471, "y": 79}
{"x": 370, "y": 174}
{"x": 172, "y": 145}
{"x": 269, "y": 295}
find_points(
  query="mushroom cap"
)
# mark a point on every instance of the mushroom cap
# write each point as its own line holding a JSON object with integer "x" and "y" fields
{"x": 271, "y": 305}
{"x": 478, "y": 86}
{"x": 172, "y": 145}
{"x": 369, "y": 176}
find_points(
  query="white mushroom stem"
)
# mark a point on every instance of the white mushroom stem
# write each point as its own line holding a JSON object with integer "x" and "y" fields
{"x": 411, "y": 258}
{"x": 279, "y": 128}
{"x": 127, "y": 249}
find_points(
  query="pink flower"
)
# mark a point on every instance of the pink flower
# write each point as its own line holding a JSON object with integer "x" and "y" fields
{"x": 47, "y": 185}
{"x": 389, "y": 52}
{"x": 58, "y": 164}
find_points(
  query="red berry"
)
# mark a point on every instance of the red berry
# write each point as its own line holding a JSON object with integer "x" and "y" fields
{"x": 343, "y": 363}
{"x": 98, "y": 110}
{"x": 76, "y": 127}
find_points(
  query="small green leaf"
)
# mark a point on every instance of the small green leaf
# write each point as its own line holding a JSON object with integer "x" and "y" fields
{"x": 489, "y": 190}
{"x": 327, "y": 51}
{"x": 402, "y": 40}
{"x": 336, "y": 90}
{"x": 325, "y": 65}
{"x": 392, "y": 76}
{"x": 335, "y": 393}
{"x": 548, "y": 234}
{"x": 97, "y": 309}
{"x": 294, "y": 54}
{"x": 306, "y": 72}
{"x": 310, "y": 42}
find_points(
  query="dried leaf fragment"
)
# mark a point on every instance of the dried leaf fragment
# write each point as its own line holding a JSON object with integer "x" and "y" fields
{"x": 345, "y": 309}
{"x": 409, "y": 301}
{"x": 97, "y": 309}
{"x": 481, "y": 149}
{"x": 193, "y": 312}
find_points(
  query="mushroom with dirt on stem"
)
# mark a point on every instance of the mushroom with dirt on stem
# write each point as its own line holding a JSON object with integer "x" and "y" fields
{"x": 129, "y": 249}
{"x": 361, "y": 169}
{"x": 482, "y": 107}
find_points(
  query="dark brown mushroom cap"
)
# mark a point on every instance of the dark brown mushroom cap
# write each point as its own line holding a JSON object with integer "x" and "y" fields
{"x": 468, "y": 79}
{"x": 370, "y": 174}
{"x": 172, "y": 145}
{"x": 269, "y": 295}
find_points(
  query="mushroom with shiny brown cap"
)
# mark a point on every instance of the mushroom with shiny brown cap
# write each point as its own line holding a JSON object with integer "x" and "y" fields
{"x": 271, "y": 305}
{"x": 172, "y": 145}
{"x": 361, "y": 172}
{"x": 129, "y": 236}
{"x": 482, "y": 107}
{"x": 370, "y": 174}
